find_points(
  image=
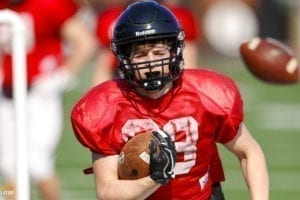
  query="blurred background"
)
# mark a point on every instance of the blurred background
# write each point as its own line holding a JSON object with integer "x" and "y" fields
{"x": 272, "y": 112}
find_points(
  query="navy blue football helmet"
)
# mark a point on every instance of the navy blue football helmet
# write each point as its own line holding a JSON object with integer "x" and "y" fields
{"x": 142, "y": 22}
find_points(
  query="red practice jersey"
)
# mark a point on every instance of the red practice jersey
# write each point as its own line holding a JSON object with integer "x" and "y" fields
{"x": 43, "y": 20}
{"x": 202, "y": 109}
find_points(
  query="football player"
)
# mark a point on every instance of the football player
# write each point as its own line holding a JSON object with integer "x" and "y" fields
{"x": 107, "y": 65}
{"x": 50, "y": 72}
{"x": 196, "y": 108}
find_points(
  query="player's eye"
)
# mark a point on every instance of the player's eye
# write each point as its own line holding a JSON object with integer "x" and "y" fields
{"x": 138, "y": 54}
{"x": 160, "y": 52}
{"x": 163, "y": 49}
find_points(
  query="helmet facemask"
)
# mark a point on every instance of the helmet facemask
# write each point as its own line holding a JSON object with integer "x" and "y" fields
{"x": 152, "y": 75}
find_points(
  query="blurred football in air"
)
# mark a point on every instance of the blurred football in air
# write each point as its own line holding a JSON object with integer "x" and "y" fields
{"x": 270, "y": 60}
{"x": 135, "y": 157}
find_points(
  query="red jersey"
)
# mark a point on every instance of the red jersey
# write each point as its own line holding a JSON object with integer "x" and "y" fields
{"x": 43, "y": 20}
{"x": 202, "y": 109}
{"x": 108, "y": 18}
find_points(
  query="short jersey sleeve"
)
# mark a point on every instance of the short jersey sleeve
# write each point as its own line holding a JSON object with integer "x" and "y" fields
{"x": 233, "y": 109}
{"x": 222, "y": 98}
{"x": 93, "y": 121}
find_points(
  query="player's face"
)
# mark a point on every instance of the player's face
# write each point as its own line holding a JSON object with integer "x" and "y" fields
{"x": 147, "y": 58}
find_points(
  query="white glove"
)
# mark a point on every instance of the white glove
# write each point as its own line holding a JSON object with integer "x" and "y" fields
{"x": 54, "y": 82}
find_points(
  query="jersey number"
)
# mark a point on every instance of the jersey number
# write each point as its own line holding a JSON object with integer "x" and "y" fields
{"x": 187, "y": 146}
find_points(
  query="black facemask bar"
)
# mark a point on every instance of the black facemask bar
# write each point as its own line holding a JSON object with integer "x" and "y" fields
{"x": 154, "y": 71}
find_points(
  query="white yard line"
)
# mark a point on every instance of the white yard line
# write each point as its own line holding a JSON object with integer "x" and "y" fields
{"x": 277, "y": 116}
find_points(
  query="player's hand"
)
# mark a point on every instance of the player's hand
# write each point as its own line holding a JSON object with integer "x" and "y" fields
{"x": 162, "y": 157}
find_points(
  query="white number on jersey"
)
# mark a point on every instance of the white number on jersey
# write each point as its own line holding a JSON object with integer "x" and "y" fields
{"x": 187, "y": 125}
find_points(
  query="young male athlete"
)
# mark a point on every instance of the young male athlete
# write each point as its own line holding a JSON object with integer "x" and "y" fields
{"x": 194, "y": 108}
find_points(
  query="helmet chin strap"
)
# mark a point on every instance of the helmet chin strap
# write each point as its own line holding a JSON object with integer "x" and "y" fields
{"x": 155, "y": 94}
{"x": 153, "y": 85}
{"x": 153, "y": 81}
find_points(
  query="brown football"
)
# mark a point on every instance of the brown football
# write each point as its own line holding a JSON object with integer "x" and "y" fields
{"x": 135, "y": 158}
{"x": 270, "y": 60}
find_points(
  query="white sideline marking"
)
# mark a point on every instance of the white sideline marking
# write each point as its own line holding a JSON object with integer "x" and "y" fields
{"x": 277, "y": 116}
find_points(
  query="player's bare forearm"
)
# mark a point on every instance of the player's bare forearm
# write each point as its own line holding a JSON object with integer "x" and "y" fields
{"x": 127, "y": 189}
{"x": 108, "y": 185}
{"x": 257, "y": 175}
{"x": 252, "y": 162}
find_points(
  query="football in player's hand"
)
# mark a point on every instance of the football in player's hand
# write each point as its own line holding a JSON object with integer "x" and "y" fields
{"x": 135, "y": 158}
{"x": 270, "y": 60}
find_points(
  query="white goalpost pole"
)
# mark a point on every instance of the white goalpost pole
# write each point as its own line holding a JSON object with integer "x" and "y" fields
{"x": 19, "y": 93}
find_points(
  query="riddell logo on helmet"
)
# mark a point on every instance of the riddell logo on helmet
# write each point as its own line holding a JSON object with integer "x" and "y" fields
{"x": 146, "y": 32}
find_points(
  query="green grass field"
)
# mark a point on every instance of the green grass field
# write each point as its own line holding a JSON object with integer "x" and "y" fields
{"x": 272, "y": 114}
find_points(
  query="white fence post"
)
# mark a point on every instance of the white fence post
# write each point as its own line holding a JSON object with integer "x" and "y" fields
{"x": 19, "y": 93}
